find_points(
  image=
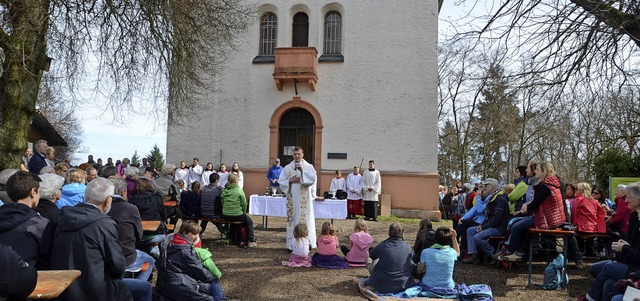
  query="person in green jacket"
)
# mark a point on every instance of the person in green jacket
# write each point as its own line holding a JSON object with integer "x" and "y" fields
{"x": 234, "y": 206}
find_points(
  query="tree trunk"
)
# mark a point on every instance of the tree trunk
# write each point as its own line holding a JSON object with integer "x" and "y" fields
{"x": 25, "y": 55}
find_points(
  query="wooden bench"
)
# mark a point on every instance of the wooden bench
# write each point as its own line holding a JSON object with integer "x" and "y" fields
{"x": 597, "y": 235}
{"x": 150, "y": 225}
{"x": 548, "y": 236}
{"x": 224, "y": 227}
{"x": 52, "y": 283}
{"x": 132, "y": 273}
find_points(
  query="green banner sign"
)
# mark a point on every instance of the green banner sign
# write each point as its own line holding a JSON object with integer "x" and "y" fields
{"x": 615, "y": 181}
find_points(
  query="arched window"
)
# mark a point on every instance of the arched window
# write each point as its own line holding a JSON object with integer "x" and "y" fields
{"x": 332, "y": 33}
{"x": 300, "y": 30}
{"x": 268, "y": 31}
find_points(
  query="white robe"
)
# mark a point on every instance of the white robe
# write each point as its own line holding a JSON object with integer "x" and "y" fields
{"x": 205, "y": 177}
{"x": 354, "y": 187}
{"x": 337, "y": 184}
{"x": 182, "y": 174}
{"x": 195, "y": 175}
{"x": 308, "y": 178}
{"x": 224, "y": 178}
{"x": 371, "y": 179}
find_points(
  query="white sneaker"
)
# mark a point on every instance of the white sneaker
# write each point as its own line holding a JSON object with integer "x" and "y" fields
{"x": 252, "y": 244}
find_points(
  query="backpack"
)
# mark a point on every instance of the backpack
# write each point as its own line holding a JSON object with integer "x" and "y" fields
{"x": 554, "y": 274}
{"x": 475, "y": 292}
{"x": 239, "y": 234}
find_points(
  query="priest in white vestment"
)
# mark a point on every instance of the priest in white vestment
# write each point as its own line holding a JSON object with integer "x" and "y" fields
{"x": 298, "y": 182}
{"x": 371, "y": 187}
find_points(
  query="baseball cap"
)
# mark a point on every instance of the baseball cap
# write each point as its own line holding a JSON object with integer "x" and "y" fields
{"x": 490, "y": 181}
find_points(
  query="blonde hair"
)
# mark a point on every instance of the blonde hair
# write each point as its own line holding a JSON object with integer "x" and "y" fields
{"x": 76, "y": 175}
{"x": 359, "y": 225}
{"x": 509, "y": 188}
{"x": 584, "y": 188}
{"x": 180, "y": 183}
{"x": 327, "y": 229}
{"x": 49, "y": 151}
{"x": 547, "y": 168}
{"x": 300, "y": 231}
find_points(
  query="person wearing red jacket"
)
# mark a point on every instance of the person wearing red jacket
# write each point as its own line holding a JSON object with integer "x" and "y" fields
{"x": 586, "y": 212}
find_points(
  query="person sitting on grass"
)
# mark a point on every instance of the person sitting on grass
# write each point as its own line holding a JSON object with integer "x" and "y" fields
{"x": 359, "y": 241}
{"x": 438, "y": 260}
{"x": 328, "y": 244}
{"x": 181, "y": 273}
{"x": 301, "y": 247}
{"x": 391, "y": 267}
{"x": 424, "y": 239}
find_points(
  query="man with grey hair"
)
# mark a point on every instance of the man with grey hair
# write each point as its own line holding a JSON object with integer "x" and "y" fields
{"x": 129, "y": 225}
{"x": 168, "y": 190}
{"x": 50, "y": 186}
{"x": 4, "y": 176}
{"x": 92, "y": 173}
{"x": 87, "y": 240}
{"x": 47, "y": 169}
{"x": 391, "y": 270}
{"x": 38, "y": 161}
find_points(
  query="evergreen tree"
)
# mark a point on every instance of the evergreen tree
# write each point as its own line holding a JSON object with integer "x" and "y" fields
{"x": 135, "y": 159}
{"x": 156, "y": 158}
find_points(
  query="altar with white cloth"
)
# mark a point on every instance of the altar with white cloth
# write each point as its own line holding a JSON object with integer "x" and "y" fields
{"x": 277, "y": 206}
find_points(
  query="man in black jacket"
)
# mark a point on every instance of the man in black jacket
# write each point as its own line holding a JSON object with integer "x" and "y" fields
{"x": 129, "y": 227}
{"x": 38, "y": 161}
{"x": 497, "y": 213}
{"x": 21, "y": 227}
{"x": 86, "y": 239}
{"x": 17, "y": 278}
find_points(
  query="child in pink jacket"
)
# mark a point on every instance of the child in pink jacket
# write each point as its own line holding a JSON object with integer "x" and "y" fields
{"x": 327, "y": 247}
{"x": 360, "y": 240}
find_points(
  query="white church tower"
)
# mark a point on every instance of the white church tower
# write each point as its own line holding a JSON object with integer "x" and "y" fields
{"x": 349, "y": 81}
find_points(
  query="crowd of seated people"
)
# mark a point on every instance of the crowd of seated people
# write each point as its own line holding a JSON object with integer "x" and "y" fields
{"x": 110, "y": 212}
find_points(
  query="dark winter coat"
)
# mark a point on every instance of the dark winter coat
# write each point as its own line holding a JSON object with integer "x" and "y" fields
{"x": 49, "y": 210}
{"x": 630, "y": 254}
{"x": 181, "y": 275}
{"x": 393, "y": 272}
{"x": 129, "y": 226}
{"x": 36, "y": 163}
{"x": 151, "y": 208}
{"x": 17, "y": 278}
{"x": 211, "y": 201}
{"x": 28, "y": 233}
{"x": 87, "y": 240}
{"x": 190, "y": 202}
{"x": 497, "y": 212}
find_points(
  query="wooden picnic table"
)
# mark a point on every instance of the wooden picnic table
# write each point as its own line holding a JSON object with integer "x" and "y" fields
{"x": 150, "y": 225}
{"x": 52, "y": 283}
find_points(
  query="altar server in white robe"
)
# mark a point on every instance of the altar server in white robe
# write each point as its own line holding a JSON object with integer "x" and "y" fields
{"x": 354, "y": 193}
{"x": 182, "y": 173}
{"x": 338, "y": 182}
{"x": 195, "y": 172}
{"x": 298, "y": 182}
{"x": 371, "y": 187}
